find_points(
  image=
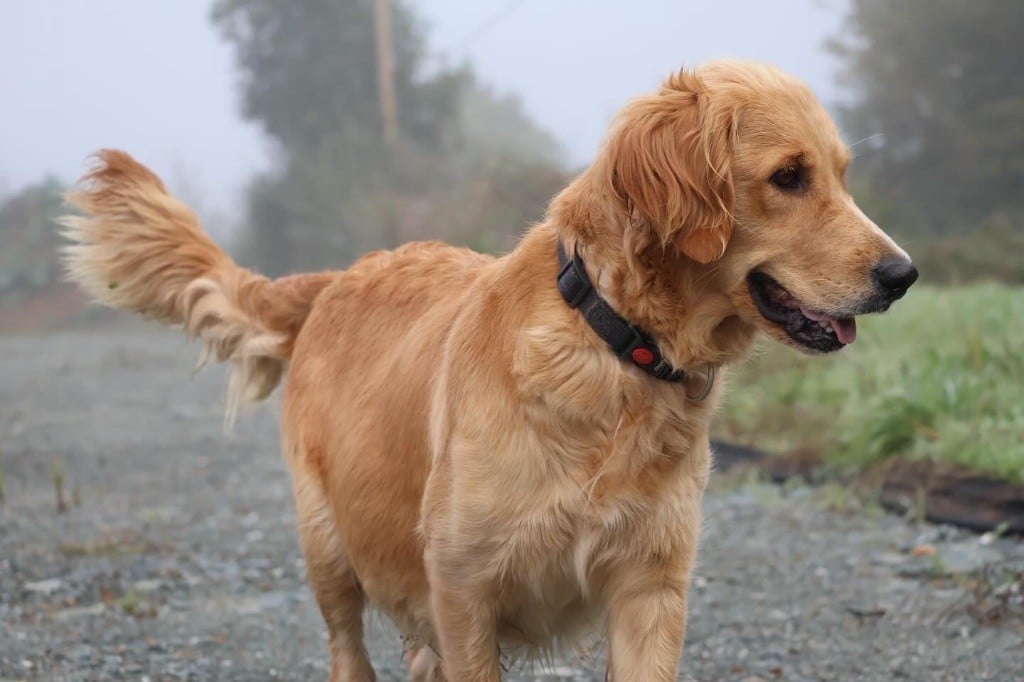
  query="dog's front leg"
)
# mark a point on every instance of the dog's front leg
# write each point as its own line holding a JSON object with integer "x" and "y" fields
{"x": 466, "y": 624}
{"x": 463, "y": 603}
{"x": 646, "y": 625}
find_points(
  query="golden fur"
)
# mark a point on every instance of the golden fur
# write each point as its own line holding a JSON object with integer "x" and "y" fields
{"x": 467, "y": 455}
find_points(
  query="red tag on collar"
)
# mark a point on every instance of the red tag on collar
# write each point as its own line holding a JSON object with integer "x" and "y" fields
{"x": 642, "y": 356}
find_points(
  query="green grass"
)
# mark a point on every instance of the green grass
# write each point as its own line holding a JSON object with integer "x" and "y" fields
{"x": 941, "y": 376}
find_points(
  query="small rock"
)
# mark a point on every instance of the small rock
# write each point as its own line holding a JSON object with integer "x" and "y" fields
{"x": 967, "y": 557}
{"x": 45, "y": 586}
{"x": 888, "y": 559}
{"x": 158, "y": 514}
{"x": 96, "y": 609}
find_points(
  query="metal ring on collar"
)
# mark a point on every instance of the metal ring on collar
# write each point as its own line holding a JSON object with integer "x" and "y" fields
{"x": 707, "y": 386}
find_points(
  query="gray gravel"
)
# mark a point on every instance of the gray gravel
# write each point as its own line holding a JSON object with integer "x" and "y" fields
{"x": 178, "y": 557}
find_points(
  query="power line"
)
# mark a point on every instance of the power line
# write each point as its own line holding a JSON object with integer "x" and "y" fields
{"x": 488, "y": 23}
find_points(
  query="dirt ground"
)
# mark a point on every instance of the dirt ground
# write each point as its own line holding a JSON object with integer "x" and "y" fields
{"x": 178, "y": 559}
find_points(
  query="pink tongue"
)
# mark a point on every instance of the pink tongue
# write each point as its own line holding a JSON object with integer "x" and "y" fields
{"x": 846, "y": 330}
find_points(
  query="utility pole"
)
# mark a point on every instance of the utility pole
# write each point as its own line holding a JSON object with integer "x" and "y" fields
{"x": 386, "y": 71}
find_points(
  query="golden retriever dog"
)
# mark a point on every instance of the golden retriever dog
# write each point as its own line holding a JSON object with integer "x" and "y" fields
{"x": 473, "y": 451}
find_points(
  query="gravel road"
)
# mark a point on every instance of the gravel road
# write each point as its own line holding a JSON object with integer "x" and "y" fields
{"x": 178, "y": 557}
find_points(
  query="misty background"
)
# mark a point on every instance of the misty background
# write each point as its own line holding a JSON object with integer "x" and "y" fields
{"x": 160, "y": 80}
{"x": 265, "y": 118}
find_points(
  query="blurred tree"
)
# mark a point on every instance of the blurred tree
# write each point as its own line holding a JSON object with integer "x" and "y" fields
{"x": 498, "y": 125}
{"x": 28, "y": 259}
{"x": 309, "y": 78}
{"x": 938, "y": 94}
{"x": 308, "y": 67}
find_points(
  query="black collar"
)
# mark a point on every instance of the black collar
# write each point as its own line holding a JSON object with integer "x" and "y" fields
{"x": 626, "y": 341}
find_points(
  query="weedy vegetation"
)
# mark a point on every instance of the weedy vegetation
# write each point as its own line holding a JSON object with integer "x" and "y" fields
{"x": 940, "y": 377}
{"x": 57, "y": 475}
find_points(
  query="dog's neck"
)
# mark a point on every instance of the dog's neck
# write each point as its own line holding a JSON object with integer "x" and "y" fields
{"x": 655, "y": 288}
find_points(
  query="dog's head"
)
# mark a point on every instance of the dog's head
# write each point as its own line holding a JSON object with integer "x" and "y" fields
{"x": 738, "y": 170}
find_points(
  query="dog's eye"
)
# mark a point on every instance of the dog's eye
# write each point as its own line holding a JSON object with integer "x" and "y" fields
{"x": 788, "y": 179}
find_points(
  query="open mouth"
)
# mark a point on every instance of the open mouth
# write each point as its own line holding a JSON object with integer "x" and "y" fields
{"x": 812, "y": 329}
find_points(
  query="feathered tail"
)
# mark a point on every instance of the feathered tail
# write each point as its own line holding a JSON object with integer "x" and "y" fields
{"x": 136, "y": 247}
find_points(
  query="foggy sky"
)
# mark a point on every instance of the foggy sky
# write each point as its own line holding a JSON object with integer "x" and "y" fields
{"x": 155, "y": 79}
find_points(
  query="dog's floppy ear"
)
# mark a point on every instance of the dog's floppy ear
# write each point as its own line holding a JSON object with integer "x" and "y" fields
{"x": 669, "y": 159}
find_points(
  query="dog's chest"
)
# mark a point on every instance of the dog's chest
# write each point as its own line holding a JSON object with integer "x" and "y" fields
{"x": 596, "y": 483}
{"x": 561, "y": 563}
{"x": 554, "y": 599}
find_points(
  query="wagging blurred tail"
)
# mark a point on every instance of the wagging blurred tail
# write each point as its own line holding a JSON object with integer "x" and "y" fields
{"x": 134, "y": 246}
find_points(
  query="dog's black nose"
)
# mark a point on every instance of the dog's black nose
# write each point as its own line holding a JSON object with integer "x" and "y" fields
{"x": 895, "y": 275}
